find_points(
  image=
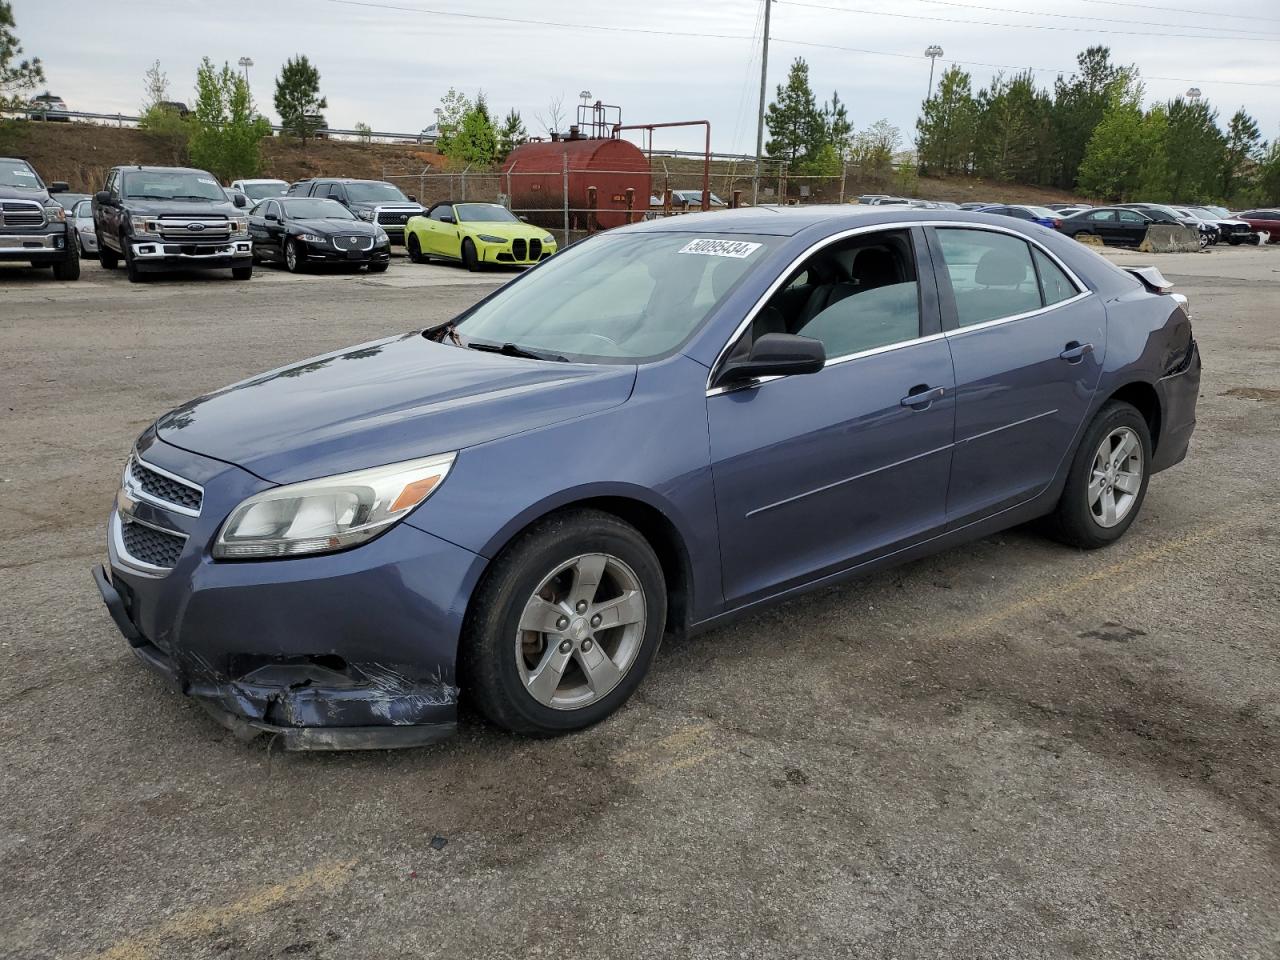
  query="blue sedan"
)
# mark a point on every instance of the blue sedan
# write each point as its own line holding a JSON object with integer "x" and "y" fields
{"x": 1041, "y": 215}
{"x": 660, "y": 428}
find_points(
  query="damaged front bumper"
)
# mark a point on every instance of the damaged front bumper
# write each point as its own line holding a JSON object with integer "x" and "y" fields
{"x": 345, "y": 651}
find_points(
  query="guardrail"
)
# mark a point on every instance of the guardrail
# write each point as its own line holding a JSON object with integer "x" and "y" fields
{"x": 121, "y": 119}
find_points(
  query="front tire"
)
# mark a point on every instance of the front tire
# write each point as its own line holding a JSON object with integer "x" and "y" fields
{"x": 130, "y": 265}
{"x": 469, "y": 256}
{"x": 293, "y": 261}
{"x": 565, "y": 624}
{"x": 242, "y": 273}
{"x": 415, "y": 250}
{"x": 106, "y": 256}
{"x": 1108, "y": 479}
{"x": 379, "y": 267}
{"x": 68, "y": 269}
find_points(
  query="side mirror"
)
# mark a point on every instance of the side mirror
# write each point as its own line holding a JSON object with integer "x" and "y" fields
{"x": 240, "y": 200}
{"x": 525, "y": 219}
{"x": 102, "y": 198}
{"x": 272, "y": 217}
{"x": 59, "y": 186}
{"x": 412, "y": 198}
{"x": 775, "y": 355}
{"x": 447, "y": 219}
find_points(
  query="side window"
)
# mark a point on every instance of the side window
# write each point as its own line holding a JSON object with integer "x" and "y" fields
{"x": 1103, "y": 216}
{"x": 273, "y": 207}
{"x": 110, "y": 185}
{"x": 337, "y": 192}
{"x": 441, "y": 211}
{"x": 1054, "y": 284}
{"x": 855, "y": 295}
{"x": 1128, "y": 216}
{"x": 991, "y": 275}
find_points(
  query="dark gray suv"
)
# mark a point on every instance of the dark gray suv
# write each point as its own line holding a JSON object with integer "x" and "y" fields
{"x": 33, "y": 225}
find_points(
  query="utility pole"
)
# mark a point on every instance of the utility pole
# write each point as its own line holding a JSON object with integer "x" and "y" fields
{"x": 764, "y": 75}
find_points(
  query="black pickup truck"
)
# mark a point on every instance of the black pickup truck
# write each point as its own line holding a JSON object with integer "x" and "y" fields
{"x": 33, "y": 226}
{"x": 170, "y": 218}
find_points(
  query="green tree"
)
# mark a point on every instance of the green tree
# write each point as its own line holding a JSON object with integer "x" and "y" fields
{"x": 225, "y": 135}
{"x": 512, "y": 133}
{"x": 476, "y": 140}
{"x": 796, "y": 129}
{"x": 17, "y": 77}
{"x": 1267, "y": 185}
{"x": 947, "y": 125}
{"x": 1195, "y": 148}
{"x": 364, "y": 132}
{"x": 1012, "y": 129}
{"x": 1078, "y": 106}
{"x": 298, "y": 99}
{"x": 1113, "y": 158}
{"x": 169, "y": 128}
{"x": 453, "y": 109}
{"x": 1241, "y": 153}
{"x": 873, "y": 150}
{"x": 838, "y": 128}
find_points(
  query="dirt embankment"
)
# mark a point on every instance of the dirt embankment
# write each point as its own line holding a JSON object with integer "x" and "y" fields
{"x": 81, "y": 154}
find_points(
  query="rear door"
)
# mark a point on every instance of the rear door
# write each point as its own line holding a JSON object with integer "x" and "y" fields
{"x": 1027, "y": 340}
{"x": 1131, "y": 227}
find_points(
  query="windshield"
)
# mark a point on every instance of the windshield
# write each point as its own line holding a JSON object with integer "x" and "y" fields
{"x": 485, "y": 213}
{"x": 374, "y": 193}
{"x": 171, "y": 185}
{"x": 314, "y": 208}
{"x": 16, "y": 173}
{"x": 1219, "y": 211}
{"x": 260, "y": 191}
{"x": 1041, "y": 212}
{"x": 616, "y": 298}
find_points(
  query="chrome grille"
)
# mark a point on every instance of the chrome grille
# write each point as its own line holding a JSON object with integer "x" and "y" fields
{"x": 194, "y": 228}
{"x": 21, "y": 213}
{"x": 353, "y": 242}
{"x": 396, "y": 217}
{"x": 149, "y": 483}
{"x": 148, "y": 545}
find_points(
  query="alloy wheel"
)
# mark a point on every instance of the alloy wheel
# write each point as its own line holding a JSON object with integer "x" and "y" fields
{"x": 291, "y": 256}
{"x": 580, "y": 631}
{"x": 1116, "y": 477}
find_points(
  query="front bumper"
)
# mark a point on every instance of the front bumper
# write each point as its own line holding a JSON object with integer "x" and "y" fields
{"x": 352, "y": 650}
{"x": 159, "y": 254}
{"x": 326, "y": 253}
{"x": 1178, "y": 393}
{"x": 41, "y": 247}
{"x": 506, "y": 253}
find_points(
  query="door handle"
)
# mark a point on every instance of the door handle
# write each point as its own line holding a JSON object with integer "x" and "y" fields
{"x": 1075, "y": 351}
{"x": 921, "y": 396}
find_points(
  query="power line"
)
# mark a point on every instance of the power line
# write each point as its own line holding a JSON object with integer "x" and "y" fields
{"x": 1164, "y": 9}
{"x": 382, "y": 5}
{"x": 1078, "y": 16}
{"x": 1065, "y": 71}
{"x": 1020, "y": 26}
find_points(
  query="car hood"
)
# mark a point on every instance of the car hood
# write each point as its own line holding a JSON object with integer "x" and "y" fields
{"x": 383, "y": 402}
{"x": 333, "y": 227}
{"x": 508, "y": 231}
{"x": 20, "y": 193}
{"x": 183, "y": 208}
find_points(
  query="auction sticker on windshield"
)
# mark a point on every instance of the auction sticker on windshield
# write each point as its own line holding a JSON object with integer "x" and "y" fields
{"x": 738, "y": 249}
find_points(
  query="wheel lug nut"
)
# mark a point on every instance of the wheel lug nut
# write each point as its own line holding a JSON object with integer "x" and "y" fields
{"x": 596, "y": 620}
{"x": 565, "y": 646}
{"x": 562, "y": 623}
{"x": 582, "y": 606}
{"x": 586, "y": 645}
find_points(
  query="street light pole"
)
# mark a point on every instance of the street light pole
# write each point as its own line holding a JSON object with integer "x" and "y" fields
{"x": 764, "y": 74}
{"x": 1193, "y": 94}
{"x": 933, "y": 52}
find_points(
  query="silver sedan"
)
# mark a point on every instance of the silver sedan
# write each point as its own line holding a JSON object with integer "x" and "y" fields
{"x": 81, "y": 215}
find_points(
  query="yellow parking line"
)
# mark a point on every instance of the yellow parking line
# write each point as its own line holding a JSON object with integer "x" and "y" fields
{"x": 207, "y": 921}
{"x": 1131, "y": 565}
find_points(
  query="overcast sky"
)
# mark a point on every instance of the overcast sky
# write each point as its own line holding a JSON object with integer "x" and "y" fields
{"x": 387, "y": 64}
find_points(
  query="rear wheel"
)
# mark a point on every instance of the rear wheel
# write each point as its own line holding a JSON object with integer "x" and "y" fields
{"x": 415, "y": 250}
{"x": 1108, "y": 479}
{"x": 565, "y": 624}
{"x": 469, "y": 256}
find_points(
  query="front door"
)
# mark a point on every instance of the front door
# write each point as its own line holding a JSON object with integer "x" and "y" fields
{"x": 1027, "y": 341}
{"x": 815, "y": 473}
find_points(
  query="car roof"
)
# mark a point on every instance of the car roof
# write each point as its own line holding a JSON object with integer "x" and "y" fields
{"x": 787, "y": 221}
{"x": 148, "y": 168}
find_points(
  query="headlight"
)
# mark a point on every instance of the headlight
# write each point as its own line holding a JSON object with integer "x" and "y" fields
{"x": 548, "y": 239}
{"x": 488, "y": 239}
{"x": 364, "y": 214}
{"x": 381, "y": 236}
{"x": 332, "y": 513}
{"x": 56, "y": 213}
{"x": 143, "y": 225}
{"x": 238, "y": 224}
{"x": 311, "y": 238}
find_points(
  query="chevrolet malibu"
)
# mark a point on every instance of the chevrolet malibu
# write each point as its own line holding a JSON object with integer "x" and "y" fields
{"x": 662, "y": 427}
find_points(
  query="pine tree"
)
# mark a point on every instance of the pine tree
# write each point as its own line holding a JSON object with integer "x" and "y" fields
{"x": 1195, "y": 150}
{"x": 1241, "y": 153}
{"x": 1113, "y": 158}
{"x": 19, "y": 78}
{"x": 476, "y": 140}
{"x": 947, "y": 125}
{"x": 1078, "y": 106}
{"x": 512, "y": 133}
{"x": 793, "y": 117}
{"x": 298, "y": 99}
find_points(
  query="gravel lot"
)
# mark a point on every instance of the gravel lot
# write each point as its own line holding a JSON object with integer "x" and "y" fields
{"x": 1008, "y": 750}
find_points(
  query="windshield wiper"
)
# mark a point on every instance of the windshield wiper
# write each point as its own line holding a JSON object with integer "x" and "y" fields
{"x": 515, "y": 350}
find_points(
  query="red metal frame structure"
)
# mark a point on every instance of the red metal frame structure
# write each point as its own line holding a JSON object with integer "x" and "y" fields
{"x": 706, "y": 159}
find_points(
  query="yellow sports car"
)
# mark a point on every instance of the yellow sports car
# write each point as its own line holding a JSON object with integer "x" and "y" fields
{"x": 475, "y": 233}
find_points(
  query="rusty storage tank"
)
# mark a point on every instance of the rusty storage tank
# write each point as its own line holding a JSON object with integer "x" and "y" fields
{"x": 536, "y": 181}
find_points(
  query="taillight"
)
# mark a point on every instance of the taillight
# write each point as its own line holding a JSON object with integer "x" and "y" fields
{"x": 1057, "y": 224}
